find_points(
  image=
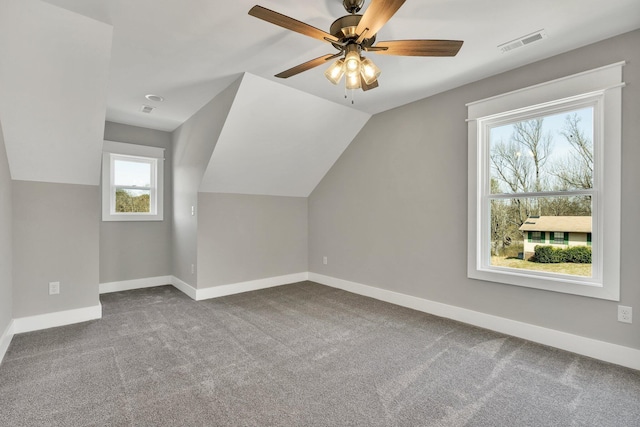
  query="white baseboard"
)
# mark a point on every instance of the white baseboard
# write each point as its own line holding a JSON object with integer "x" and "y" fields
{"x": 58, "y": 318}
{"x": 612, "y": 353}
{"x": 251, "y": 285}
{"x": 5, "y": 340}
{"x": 127, "y": 285}
{"x": 186, "y": 288}
{"x": 608, "y": 352}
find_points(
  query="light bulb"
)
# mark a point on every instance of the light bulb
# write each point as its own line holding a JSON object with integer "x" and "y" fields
{"x": 352, "y": 64}
{"x": 335, "y": 71}
{"x": 369, "y": 70}
{"x": 352, "y": 59}
{"x": 353, "y": 80}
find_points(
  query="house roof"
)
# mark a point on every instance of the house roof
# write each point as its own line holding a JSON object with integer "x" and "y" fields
{"x": 575, "y": 224}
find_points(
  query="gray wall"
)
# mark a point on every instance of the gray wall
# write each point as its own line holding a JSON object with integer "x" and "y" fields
{"x": 193, "y": 144}
{"x": 392, "y": 212}
{"x": 247, "y": 237}
{"x": 55, "y": 235}
{"x": 138, "y": 249}
{"x": 6, "y": 239}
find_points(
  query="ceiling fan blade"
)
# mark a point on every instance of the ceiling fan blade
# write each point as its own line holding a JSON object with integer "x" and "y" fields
{"x": 419, "y": 47}
{"x": 366, "y": 87}
{"x": 376, "y": 15}
{"x": 305, "y": 66}
{"x": 290, "y": 23}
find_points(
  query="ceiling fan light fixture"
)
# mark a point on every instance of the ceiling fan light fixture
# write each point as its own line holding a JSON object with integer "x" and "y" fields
{"x": 335, "y": 72}
{"x": 352, "y": 64}
{"x": 369, "y": 71}
{"x": 352, "y": 58}
{"x": 350, "y": 35}
{"x": 353, "y": 80}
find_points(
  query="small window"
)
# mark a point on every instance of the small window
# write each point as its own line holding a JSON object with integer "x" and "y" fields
{"x": 132, "y": 182}
{"x": 558, "y": 238}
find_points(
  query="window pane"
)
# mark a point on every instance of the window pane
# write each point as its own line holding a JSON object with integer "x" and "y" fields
{"x": 132, "y": 200}
{"x": 560, "y": 227}
{"x": 558, "y": 238}
{"x": 132, "y": 174}
{"x": 547, "y": 153}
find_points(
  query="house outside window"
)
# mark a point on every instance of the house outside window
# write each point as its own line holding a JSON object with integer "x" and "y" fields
{"x": 544, "y": 167}
{"x": 577, "y": 232}
{"x": 132, "y": 182}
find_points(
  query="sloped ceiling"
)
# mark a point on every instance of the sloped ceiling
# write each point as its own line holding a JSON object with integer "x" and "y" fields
{"x": 53, "y": 83}
{"x": 190, "y": 50}
{"x": 62, "y": 72}
{"x": 278, "y": 140}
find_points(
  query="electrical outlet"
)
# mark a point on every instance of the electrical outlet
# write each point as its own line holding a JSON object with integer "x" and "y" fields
{"x": 54, "y": 288}
{"x": 625, "y": 314}
{"x": 324, "y": 260}
{"x": 193, "y": 269}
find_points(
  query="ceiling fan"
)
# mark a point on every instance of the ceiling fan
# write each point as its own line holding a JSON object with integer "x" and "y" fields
{"x": 352, "y": 34}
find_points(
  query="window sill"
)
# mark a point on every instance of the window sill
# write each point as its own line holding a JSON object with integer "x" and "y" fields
{"x": 134, "y": 217}
{"x": 568, "y": 285}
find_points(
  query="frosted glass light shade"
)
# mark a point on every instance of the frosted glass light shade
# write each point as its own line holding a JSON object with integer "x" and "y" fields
{"x": 335, "y": 72}
{"x": 353, "y": 80}
{"x": 352, "y": 61}
{"x": 369, "y": 71}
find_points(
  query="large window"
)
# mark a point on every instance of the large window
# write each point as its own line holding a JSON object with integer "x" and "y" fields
{"x": 544, "y": 185}
{"x": 132, "y": 182}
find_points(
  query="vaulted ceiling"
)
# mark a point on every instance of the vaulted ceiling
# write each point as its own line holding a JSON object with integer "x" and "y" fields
{"x": 67, "y": 65}
{"x": 312, "y": 134}
{"x": 190, "y": 50}
{"x": 54, "y": 70}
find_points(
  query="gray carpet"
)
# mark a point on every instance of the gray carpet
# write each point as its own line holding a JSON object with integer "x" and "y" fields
{"x": 298, "y": 355}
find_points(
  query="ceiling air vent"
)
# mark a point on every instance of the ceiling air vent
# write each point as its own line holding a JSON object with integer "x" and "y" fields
{"x": 147, "y": 108}
{"x": 522, "y": 41}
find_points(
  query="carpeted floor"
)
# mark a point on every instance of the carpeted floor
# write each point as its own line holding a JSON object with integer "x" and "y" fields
{"x": 298, "y": 355}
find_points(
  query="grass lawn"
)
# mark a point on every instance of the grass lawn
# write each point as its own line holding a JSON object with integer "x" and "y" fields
{"x": 562, "y": 268}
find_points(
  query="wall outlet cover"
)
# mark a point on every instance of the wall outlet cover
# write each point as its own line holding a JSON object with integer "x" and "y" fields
{"x": 625, "y": 314}
{"x": 54, "y": 288}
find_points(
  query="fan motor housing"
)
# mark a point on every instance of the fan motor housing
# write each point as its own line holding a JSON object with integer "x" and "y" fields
{"x": 344, "y": 28}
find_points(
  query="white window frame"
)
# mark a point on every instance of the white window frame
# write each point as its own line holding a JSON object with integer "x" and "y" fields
{"x": 600, "y": 88}
{"x": 154, "y": 156}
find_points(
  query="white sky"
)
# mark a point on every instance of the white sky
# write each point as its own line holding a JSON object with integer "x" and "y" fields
{"x": 554, "y": 125}
{"x": 132, "y": 173}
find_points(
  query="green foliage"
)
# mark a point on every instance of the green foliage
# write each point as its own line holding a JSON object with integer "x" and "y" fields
{"x": 548, "y": 254}
{"x": 552, "y": 255}
{"x": 127, "y": 202}
{"x": 579, "y": 254}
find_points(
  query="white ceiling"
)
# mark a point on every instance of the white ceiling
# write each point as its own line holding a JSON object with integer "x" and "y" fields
{"x": 63, "y": 72}
{"x": 190, "y": 50}
{"x": 53, "y": 83}
{"x": 290, "y": 162}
